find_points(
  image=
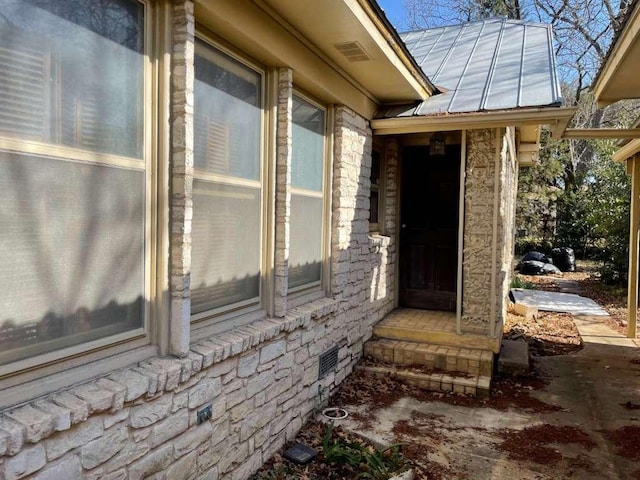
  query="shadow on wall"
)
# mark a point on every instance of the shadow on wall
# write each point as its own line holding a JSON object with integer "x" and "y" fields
{"x": 56, "y": 331}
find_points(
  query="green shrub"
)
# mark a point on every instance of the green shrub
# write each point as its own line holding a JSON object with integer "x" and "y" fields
{"x": 368, "y": 462}
{"x": 518, "y": 282}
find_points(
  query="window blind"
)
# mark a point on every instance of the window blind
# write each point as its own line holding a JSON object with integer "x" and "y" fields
{"x": 72, "y": 233}
{"x": 227, "y": 198}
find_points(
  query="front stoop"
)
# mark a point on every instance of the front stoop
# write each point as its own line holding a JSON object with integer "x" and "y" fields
{"x": 422, "y": 348}
{"x": 396, "y": 327}
{"x": 458, "y": 370}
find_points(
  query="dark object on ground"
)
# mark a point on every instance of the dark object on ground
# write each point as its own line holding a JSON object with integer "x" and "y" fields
{"x": 531, "y": 267}
{"x": 548, "y": 268}
{"x": 537, "y": 256}
{"x": 300, "y": 454}
{"x": 631, "y": 406}
{"x": 564, "y": 258}
{"x": 534, "y": 263}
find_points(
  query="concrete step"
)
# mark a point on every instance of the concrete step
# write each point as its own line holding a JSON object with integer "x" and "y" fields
{"x": 437, "y": 357}
{"x": 404, "y": 328}
{"x": 477, "y": 385}
{"x": 514, "y": 358}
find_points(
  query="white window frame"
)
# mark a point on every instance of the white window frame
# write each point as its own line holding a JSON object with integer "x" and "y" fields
{"x": 303, "y": 293}
{"x": 25, "y": 379}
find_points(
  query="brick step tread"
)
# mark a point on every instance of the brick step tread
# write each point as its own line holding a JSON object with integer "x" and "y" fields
{"x": 434, "y": 336}
{"x": 478, "y": 385}
{"x": 452, "y": 359}
{"x": 468, "y": 353}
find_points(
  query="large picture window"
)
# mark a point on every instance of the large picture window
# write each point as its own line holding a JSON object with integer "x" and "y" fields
{"x": 227, "y": 186}
{"x": 307, "y": 194}
{"x": 73, "y": 173}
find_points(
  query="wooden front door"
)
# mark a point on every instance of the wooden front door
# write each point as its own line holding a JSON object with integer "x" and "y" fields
{"x": 429, "y": 228}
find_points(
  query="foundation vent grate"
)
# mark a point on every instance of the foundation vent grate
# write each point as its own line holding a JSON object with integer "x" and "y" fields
{"x": 352, "y": 51}
{"x": 328, "y": 362}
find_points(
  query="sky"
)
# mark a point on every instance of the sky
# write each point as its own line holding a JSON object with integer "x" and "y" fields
{"x": 394, "y": 9}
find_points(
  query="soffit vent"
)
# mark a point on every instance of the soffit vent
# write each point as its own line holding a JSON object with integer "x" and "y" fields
{"x": 328, "y": 362}
{"x": 352, "y": 51}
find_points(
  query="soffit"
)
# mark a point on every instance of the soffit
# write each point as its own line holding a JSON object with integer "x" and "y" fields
{"x": 349, "y": 35}
{"x": 618, "y": 77}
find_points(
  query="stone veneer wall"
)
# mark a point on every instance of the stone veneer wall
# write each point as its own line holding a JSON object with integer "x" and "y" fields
{"x": 486, "y": 151}
{"x": 261, "y": 380}
{"x": 506, "y": 223}
{"x": 363, "y": 265}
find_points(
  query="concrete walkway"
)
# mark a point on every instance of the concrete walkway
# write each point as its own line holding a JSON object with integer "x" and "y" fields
{"x": 590, "y": 388}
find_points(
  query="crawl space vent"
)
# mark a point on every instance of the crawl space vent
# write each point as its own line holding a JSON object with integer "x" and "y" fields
{"x": 352, "y": 51}
{"x": 328, "y": 362}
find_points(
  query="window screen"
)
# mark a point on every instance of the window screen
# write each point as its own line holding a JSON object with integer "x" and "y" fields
{"x": 307, "y": 194}
{"x": 72, "y": 233}
{"x": 227, "y": 191}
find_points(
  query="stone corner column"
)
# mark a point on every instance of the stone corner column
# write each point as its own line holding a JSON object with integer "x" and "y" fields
{"x": 181, "y": 170}
{"x": 284, "y": 133}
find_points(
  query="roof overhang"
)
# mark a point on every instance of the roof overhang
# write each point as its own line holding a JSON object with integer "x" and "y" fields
{"x": 556, "y": 117}
{"x": 356, "y": 36}
{"x": 601, "y": 133}
{"x": 627, "y": 151}
{"x": 618, "y": 78}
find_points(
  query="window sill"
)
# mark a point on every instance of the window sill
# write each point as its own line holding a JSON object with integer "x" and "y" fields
{"x": 304, "y": 297}
{"x": 378, "y": 241}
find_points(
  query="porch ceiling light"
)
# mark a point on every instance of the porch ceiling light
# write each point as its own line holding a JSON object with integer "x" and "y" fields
{"x": 437, "y": 145}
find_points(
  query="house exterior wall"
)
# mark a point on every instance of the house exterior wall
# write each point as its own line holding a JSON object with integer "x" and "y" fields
{"x": 490, "y": 189}
{"x": 508, "y": 185}
{"x": 261, "y": 380}
{"x": 259, "y": 377}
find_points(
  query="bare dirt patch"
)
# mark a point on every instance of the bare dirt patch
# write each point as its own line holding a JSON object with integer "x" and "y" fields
{"x": 627, "y": 441}
{"x": 534, "y": 443}
{"x": 548, "y": 334}
{"x": 557, "y": 282}
{"x": 424, "y": 468}
{"x": 421, "y": 436}
{"x": 612, "y": 299}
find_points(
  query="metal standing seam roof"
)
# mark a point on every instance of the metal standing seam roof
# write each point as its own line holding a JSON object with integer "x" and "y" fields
{"x": 487, "y": 65}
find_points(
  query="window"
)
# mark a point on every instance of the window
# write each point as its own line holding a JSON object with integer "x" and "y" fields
{"x": 74, "y": 175}
{"x": 227, "y": 186}
{"x": 375, "y": 201}
{"x": 307, "y": 194}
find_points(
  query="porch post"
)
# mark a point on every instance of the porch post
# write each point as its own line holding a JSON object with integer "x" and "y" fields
{"x": 633, "y": 167}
